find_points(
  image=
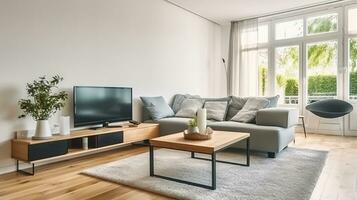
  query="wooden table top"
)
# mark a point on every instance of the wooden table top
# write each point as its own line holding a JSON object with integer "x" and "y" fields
{"x": 219, "y": 140}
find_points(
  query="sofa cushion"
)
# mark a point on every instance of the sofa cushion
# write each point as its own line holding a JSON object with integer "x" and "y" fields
{"x": 282, "y": 117}
{"x": 189, "y": 108}
{"x": 235, "y": 105}
{"x": 250, "y": 108}
{"x": 157, "y": 107}
{"x": 178, "y": 100}
{"x": 216, "y": 110}
{"x": 173, "y": 124}
{"x": 228, "y": 99}
{"x": 262, "y": 138}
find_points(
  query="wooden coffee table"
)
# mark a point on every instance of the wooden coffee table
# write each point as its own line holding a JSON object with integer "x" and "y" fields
{"x": 220, "y": 140}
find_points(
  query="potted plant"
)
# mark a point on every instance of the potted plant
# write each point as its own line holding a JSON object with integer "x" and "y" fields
{"x": 43, "y": 102}
{"x": 192, "y": 126}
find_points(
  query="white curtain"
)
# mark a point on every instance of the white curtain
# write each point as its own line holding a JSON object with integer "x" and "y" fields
{"x": 243, "y": 58}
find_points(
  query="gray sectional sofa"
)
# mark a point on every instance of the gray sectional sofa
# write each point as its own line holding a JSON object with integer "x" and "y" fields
{"x": 271, "y": 132}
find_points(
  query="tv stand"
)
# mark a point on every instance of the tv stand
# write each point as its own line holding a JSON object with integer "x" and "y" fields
{"x": 57, "y": 148}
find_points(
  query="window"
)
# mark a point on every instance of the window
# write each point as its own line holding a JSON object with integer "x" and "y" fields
{"x": 263, "y": 34}
{"x": 353, "y": 67}
{"x": 322, "y": 24}
{"x": 263, "y": 71}
{"x": 352, "y": 52}
{"x": 352, "y": 24}
{"x": 287, "y": 74}
{"x": 321, "y": 70}
{"x": 251, "y": 36}
{"x": 289, "y": 29}
{"x": 254, "y": 58}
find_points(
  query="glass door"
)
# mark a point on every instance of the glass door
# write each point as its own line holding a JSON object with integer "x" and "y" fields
{"x": 321, "y": 70}
{"x": 287, "y": 73}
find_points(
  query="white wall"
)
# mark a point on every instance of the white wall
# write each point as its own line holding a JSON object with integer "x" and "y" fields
{"x": 152, "y": 46}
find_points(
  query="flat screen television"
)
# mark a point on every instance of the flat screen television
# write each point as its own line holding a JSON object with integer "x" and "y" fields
{"x": 101, "y": 105}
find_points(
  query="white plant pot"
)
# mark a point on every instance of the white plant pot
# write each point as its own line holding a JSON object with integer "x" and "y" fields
{"x": 43, "y": 130}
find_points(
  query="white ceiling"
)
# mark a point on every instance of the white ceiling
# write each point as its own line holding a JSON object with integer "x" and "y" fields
{"x": 224, "y": 11}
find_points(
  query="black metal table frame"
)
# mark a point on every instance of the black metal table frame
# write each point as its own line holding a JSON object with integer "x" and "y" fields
{"x": 23, "y": 171}
{"x": 213, "y": 166}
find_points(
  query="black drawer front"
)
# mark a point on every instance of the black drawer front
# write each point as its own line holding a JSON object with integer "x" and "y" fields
{"x": 105, "y": 139}
{"x": 47, "y": 150}
{"x": 76, "y": 143}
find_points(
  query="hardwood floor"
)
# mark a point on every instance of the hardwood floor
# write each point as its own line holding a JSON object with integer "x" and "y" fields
{"x": 338, "y": 180}
{"x": 63, "y": 180}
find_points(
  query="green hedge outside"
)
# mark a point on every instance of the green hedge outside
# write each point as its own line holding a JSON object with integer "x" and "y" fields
{"x": 292, "y": 87}
{"x": 320, "y": 85}
{"x": 353, "y": 83}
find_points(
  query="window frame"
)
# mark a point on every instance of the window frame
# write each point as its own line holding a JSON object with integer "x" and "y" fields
{"x": 278, "y": 21}
{"x": 302, "y": 42}
{"x": 347, "y": 37}
{"x": 323, "y": 13}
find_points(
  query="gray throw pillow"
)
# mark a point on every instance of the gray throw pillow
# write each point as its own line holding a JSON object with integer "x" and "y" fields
{"x": 235, "y": 105}
{"x": 273, "y": 101}
{"x": 157, "y": 107}
{"x": 250, "y": 108}
{"x": 189, "y": 108}
{"x": 216, "y": 110}
{"x": 179, "y": 98}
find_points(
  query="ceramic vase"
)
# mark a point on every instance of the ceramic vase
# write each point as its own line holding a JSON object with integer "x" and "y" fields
{"x": 43, "y": 130}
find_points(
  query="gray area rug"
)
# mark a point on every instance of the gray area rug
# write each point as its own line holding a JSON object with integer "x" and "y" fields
{"x": 292, "y": 175}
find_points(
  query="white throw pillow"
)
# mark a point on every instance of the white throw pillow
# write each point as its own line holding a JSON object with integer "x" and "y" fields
{"x": 189, "y": 108}
{"x": 249, "y": 110}
{"x": 216, "y": 110}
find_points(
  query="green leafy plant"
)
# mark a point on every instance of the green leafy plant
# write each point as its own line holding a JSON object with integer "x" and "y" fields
{"x": 280, "y": 80}
{"x": 193, "y": 122}
{"x": 292, "y": 87}
{"x": 43, "y": 102}
{"x": 263, "y": 79}
{"x": 322, "y": 85}
{"x": 353, "y": 83}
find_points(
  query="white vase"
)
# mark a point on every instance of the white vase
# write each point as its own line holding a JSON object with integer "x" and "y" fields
{"x": 202, "y": 120}
{"x": 43, "y": 130}
{"x": 65, "y": 125}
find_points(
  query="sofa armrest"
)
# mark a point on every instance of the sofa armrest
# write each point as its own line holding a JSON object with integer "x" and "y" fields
{"x": 281, "y": 117}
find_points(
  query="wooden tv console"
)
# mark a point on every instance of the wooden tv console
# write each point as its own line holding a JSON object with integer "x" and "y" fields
{"x": 61, "y": 147}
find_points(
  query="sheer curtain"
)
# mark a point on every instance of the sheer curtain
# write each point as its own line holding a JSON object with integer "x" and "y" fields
{"x": 243, "y": 58}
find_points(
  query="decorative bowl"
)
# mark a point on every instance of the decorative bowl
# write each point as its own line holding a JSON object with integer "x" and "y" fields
{"x": 198, "y": 136}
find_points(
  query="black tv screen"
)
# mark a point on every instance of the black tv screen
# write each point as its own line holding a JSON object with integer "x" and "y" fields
{"x": 101, "y": 105}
